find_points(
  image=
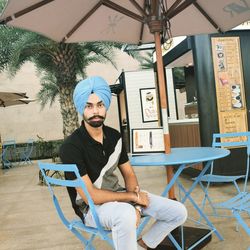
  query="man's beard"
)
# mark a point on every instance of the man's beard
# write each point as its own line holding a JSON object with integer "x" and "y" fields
{"x": 95, "y": 124}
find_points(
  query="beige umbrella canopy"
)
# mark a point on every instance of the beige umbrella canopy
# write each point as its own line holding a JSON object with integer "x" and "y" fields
{"x": 11, "y": 95}
{"x": 14, "y": 102}
{"x": 128, "y": 21}
{"x": 10, "y": 98}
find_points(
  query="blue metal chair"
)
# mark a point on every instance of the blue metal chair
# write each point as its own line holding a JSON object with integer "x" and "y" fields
{"x": 238, "y": 205}
{"x": 9, "y": 153}
{"x": 241, "y": 202}
{"x": 5, "y": 162}
{"x": 26, "y": 153}
{"x": 75, "y": 225}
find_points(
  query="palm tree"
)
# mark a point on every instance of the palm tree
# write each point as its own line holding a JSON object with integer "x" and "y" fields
{"x": 147, "y": 61}
{"x": 59, "y": 65}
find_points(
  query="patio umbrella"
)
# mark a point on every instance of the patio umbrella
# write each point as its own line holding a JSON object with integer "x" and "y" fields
{"x": 5, "y": 104}
{"x": 11, "y": 95}
{"x": 129, "y": 21}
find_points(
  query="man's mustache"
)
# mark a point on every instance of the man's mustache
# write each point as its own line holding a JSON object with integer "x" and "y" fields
{"x": 96, "y": 116}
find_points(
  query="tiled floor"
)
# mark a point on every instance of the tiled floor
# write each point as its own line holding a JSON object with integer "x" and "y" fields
{"x": 28, "y": 220}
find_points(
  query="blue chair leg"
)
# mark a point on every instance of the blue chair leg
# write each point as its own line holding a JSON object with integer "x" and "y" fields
{"x": 172, "y": 239}
{"x": 241, "y": 222}
{"x": 206, "y": 197}
{"x": 87, "y": 243}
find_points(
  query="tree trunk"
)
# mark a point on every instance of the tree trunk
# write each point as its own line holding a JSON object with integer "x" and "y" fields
{"x": 68, "y": 111}
{"x": 65, "y": 62}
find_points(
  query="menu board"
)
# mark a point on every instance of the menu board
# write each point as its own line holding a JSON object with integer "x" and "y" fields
{"x": 230, "y": 92}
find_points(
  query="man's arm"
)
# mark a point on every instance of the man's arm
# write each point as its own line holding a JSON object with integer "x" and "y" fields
{"x": 100, "y": 196}
{"x": 131, "y": 184}
{"x": 129, "y": 176}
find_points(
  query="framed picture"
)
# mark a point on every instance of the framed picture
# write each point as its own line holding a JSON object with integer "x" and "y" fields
{"x": 147, "y": 140}
{"x": 149, "y": 105}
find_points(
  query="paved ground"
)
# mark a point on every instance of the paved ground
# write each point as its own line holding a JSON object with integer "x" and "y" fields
{"x": 28, "y": 220}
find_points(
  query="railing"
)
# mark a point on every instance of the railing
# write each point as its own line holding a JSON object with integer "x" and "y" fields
{"x": 41, "y": 150}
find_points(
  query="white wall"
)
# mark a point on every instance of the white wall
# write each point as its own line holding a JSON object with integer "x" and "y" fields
{"x": 134, "y": 81}
{"x": 170, "y": 93}
{"x": 26, "y": 121}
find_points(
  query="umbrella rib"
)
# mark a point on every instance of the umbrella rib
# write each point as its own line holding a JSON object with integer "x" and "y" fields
{"x": 143, "y": 12}
{"x": 207, "y": 17}
{"x": 23, "y": 95}
{"x": 180, "y": 8}
{"x": 23, "y": 101}
{"x": 142, "y": 26}
{"x": 123, "y": 10}
{"x": 69, "y": 34}
{"x": 155, "y": 8}
{"x": 25, "y": 11}
{"x": 139, "y": 8}
{"x": 108, "y": 4}
{"x": 172, "y": 8}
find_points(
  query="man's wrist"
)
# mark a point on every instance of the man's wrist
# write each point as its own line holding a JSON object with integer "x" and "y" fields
{"x": 137, "y": 197}
{"x": 133, "y": 197}
{"x": 137, "y": 191}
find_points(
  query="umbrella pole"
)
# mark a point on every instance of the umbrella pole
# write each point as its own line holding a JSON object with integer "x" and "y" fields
{"x": 163, "y": 104}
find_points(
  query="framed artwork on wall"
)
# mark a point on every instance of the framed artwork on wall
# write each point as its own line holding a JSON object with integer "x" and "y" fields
{"x": 147, "y": 140}
{"x": 148, "y": 104}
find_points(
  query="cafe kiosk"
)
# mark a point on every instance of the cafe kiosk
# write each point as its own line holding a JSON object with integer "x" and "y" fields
{"x": 220, "y": 79}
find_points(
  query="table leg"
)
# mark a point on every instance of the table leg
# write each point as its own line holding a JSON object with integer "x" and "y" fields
{"x": 164, "y": 193}
{"x": 187, "y": 196}
{"x": 203, "y": 215}
{"x": 173, "y": 180}
{"x": 204, "y": 170}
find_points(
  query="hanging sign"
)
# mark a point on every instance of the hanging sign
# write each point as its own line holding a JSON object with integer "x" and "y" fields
{"x": 230, "y": 92}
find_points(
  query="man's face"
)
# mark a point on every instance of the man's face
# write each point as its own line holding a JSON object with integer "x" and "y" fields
{"x": 95, "y": 112}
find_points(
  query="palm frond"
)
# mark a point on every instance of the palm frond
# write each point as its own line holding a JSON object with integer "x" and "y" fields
{"x": 49, "y": 90}
{"x": 147, "y": 61}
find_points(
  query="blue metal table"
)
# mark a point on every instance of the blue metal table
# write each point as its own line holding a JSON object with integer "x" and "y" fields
{"x": 182, "y": 158}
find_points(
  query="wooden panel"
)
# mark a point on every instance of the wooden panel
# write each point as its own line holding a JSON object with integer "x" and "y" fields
{"x": 229, "y": 82}
{"x": 185, "y": 135}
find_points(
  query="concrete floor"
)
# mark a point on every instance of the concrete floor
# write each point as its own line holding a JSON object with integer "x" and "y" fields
{"x": 28, "y": 220}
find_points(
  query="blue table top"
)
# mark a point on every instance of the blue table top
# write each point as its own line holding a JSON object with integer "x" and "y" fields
{"x": 179, "y": 156}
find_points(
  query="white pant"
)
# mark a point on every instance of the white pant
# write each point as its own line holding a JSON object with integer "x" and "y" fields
{"x": 120, "y": 217}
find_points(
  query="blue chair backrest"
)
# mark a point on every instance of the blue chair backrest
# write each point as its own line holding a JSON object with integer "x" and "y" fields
{"x": 78, "y": 182}
{"x": 9, "y": 143}
{"x": 243, "y": 141}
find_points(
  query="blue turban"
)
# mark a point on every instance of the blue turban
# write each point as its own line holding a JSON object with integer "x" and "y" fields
{"x": 92, "y": 85}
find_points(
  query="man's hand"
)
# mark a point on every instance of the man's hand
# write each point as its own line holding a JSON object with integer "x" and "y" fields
{"x": 142, "y": 199}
